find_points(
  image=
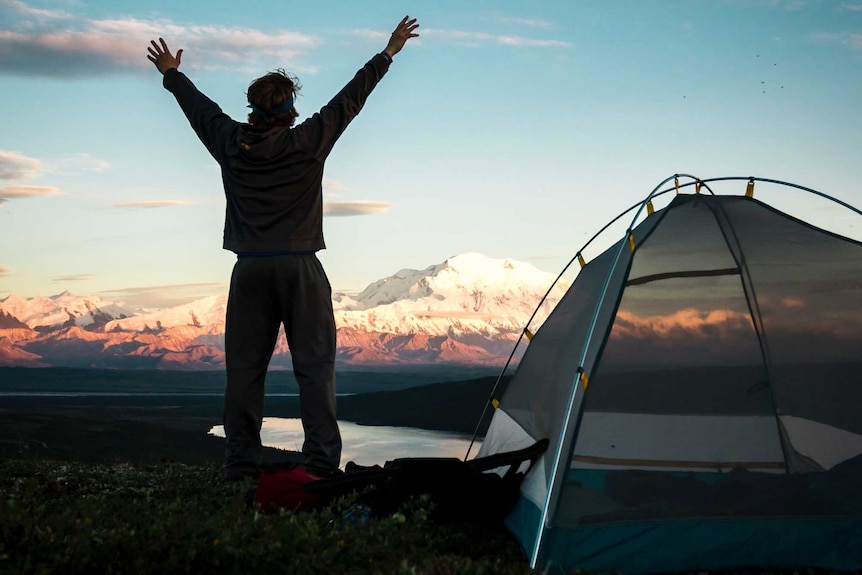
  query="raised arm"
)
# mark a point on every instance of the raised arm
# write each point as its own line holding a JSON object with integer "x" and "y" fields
{"x": 319, "y": 133}
{"x": 213, "y": 127}
{"x": 162, "y": 57}
{"x": 403, "y": 32}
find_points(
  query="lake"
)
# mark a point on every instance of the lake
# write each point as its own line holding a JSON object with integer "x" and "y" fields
{"x": 368, "y": 444}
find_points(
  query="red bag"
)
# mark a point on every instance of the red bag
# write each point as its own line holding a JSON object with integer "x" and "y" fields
{"x": 285, "y": 488}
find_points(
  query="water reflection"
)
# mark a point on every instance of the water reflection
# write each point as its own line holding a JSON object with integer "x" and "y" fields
{"x": 366, "y": 444}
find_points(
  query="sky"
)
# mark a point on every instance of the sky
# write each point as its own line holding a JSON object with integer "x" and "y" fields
{"x": 511, "y": 129}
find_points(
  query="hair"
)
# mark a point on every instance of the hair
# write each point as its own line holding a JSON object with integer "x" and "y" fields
{"x": 268, "y": 92}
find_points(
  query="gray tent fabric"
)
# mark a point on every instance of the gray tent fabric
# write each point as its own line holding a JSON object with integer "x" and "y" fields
{"x": 700, "y": 385}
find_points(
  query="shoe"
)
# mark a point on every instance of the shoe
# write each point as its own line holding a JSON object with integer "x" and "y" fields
{"x": 323, "y": 473}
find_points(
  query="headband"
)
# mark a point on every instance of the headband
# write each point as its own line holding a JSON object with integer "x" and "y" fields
{"x": 285, "y": 106}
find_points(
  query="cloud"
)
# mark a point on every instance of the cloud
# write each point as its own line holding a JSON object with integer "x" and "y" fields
{"x": 4, "y": 270}
{"x": 76, "y": 165}
{"x": 334, "y": 186}
{"x": 152, "y": 204}
{"x": 851, "y": 7}
{"x": 371, "y": 34}
{"x": 15, "y": 166}
{"x": 531, "y": 22}
{"x": 164, "y": 296}
{"x": 60, "y": 45}
{"x": 480, "y": 38}
{"x": 74, "y": 278}
{"x": 683, "y": 323}
{"x": 22, "y": 8}
{"x": 791, "y": 5}
{"x": 355, "y": 208}
{"x": 17, "y": 192}
{"x": 684, "y": 337}
{"x": 851, "y": 39}
{"x": 471, "y": 38}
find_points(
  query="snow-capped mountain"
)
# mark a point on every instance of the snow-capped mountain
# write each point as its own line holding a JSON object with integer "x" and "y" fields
{"x": 208, "y": 311}
{"x": 466, "y": 294}
{"x": 467, "y": 309}
{"x": 65, "y": 309}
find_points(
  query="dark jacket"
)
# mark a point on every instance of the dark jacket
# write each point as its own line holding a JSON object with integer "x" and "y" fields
{"x": 273, "y": 180}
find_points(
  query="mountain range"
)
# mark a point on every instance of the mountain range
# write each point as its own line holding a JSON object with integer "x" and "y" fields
{"x": 469, "y": 309}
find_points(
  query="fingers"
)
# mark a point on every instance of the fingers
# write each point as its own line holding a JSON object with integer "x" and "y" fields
{"x": 160, "y": 55}
{"x": 407, "y": 24}
{"x": 157, "y": 50}
{"x": 406, "y": 28}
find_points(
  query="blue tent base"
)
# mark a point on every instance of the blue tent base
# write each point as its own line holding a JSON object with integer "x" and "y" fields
{"x": 694, "y": 544}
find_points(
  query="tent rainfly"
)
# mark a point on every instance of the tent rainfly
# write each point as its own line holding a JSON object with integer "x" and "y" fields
{"x": 701, "y": 387}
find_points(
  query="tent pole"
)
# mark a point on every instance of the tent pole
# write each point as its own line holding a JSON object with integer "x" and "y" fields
{"x": 570, "y": 421}
{"x": 751, "y": 301}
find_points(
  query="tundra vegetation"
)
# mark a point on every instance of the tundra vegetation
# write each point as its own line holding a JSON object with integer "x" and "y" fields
{"x": 174, "y": 518}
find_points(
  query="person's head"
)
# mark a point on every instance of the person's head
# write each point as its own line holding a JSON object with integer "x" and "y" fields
{"x": 271, "y": 99}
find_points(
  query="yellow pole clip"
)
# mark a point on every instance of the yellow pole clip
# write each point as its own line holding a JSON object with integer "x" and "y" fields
{"x": 749, "y": 189}
{"x": 632, "y": 242}
{"x": 529, "y": 334}
{"x": 676, "y": 184}
{"x": 697, "y": 187}
{"x": 495, "y": 403}
{"x": 650, "y": 209}
{"x": 581, "y": 261}
{"x": 585, "y": 380}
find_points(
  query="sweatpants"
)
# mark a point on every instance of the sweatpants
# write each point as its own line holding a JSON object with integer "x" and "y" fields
{"x": 265, "y": 292}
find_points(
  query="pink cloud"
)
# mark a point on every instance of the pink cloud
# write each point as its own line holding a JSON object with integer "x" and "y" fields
{"x": 62, "y": 45}
{"x": 17, "y": 192}
{"x": 14, "y": 166}
{"x": 334, "y": 186}
{"x": 688, "y": 322}
{"x": 355, "y": 208}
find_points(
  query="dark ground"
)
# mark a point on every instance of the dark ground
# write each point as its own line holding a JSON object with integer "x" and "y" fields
{"x": 173, "y": 428}
{"x": 96, "y": 430}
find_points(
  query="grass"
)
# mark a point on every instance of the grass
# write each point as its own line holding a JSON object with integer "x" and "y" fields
{"x": 61, "y": 517}
{"x": 173, "y": 518}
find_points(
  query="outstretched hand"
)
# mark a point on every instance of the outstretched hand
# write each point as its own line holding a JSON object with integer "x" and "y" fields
{"x": 162, "y": 57}
{"x": 403, "y": 32}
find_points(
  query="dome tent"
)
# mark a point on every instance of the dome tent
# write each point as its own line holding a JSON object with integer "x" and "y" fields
{"x": 700, "y": 385}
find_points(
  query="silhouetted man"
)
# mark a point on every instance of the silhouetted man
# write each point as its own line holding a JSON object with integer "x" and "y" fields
{"x": 272, "y": 173}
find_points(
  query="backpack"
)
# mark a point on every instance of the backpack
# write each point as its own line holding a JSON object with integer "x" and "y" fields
{"x": 483, "y": 490}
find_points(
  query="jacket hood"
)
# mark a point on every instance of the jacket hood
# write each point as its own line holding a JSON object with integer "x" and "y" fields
{"x": 254, "y": 144}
